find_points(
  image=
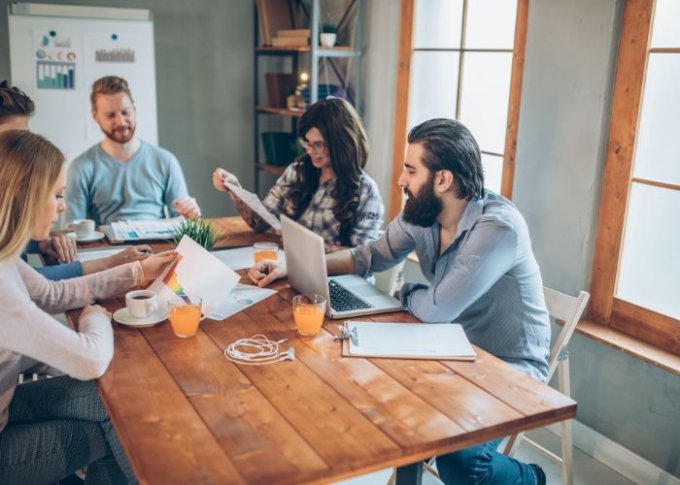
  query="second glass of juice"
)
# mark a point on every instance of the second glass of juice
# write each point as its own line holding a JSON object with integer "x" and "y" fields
{"x": 308, "y": 313}
{"x": 265, "y": 250}
{"x": 185, "y": 316}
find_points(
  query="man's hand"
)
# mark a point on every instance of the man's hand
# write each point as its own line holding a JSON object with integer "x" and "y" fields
{"x": 154, "y": 265}
{"x": 267, "y": 271}
{"x": 60, "y": 247}
{"x": 129, "y": 255}
{"x": 187, "y": 207}
{"x": 220, "y": 176}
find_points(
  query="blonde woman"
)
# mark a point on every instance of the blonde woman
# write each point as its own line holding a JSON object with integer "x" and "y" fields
{"x": 52, "y": 427}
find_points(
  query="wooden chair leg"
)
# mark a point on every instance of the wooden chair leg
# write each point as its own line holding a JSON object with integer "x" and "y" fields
{"x": 567, "y": 457}
{"x": 512, "y": 444}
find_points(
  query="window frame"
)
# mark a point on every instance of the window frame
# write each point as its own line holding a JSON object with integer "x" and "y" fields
{"x": 652, "y": 327}
{"x": 402, "y": 97}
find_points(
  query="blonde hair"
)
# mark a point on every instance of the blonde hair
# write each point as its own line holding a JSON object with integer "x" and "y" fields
{"x": 29, "y": 168}
{"x": 109, "y": 85}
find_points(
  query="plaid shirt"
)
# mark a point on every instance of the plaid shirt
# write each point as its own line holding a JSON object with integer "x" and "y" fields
{"x": 319, "y": 216}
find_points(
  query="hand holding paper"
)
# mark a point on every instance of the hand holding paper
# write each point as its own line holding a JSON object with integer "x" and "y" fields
{"x": 254, "y": 203}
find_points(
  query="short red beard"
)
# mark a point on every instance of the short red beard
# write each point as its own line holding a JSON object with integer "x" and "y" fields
{"x": 114, "y": 135}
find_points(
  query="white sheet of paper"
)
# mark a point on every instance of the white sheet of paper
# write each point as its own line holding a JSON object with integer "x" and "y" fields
{"x": 239, "y": 258}
{"x": 143, "y": 230}
{"x": 410, "y": 340}
{"x": 241, "y": 297}
{"x": 254, "y": 202}
{"x": 198, "y": 272}
{"x": 90, "y": 255}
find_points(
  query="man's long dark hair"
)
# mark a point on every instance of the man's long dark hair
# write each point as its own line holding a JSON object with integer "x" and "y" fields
{"x": 347, "y": 147}
{"x": 449, "y": 145}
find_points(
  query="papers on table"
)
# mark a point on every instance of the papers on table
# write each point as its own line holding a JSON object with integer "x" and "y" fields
{"x": 253, "y": 201}
{"x": 90, "y": 255}
{"x": 437, "y": 341}
{"x": 241, "y": 297}
{"x": 144, "y": 230}
{"x": 196, "y": 272}
{"x": 238, "y": 258}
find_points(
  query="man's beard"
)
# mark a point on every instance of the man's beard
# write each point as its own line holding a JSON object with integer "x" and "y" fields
{"x": 118, "y": 136}
{"x": 424, "y": 209}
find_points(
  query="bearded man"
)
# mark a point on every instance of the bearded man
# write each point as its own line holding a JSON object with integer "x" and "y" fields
{"x": 124, "y": 177}
{"x": 474, "y": 249}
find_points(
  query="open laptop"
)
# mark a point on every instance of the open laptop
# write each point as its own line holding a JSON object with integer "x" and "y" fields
{"x": 349, "y": 295}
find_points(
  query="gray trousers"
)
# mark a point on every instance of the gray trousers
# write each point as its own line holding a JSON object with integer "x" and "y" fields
{"x": 57, "y": 426}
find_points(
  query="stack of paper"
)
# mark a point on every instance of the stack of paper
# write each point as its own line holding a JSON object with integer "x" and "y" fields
{"x": 146, "y": 230}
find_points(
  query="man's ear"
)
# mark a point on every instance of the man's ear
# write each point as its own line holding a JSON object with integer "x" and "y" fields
{"x": 444, "y": 181}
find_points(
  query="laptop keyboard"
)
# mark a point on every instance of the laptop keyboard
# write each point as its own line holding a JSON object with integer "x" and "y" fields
{"x": 342, "y": 300}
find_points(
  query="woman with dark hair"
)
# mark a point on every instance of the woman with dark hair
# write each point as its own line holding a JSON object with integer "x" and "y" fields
{"x": 325, "y": 189}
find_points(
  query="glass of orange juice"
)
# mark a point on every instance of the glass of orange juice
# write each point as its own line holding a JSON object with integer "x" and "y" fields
{"x": 265, "y": 250}
{"x": 308, "y": 313}
{"x": 185, "y": 316}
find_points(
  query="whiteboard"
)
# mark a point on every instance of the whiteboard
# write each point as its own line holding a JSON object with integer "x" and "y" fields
{"x": 58, "y": 51}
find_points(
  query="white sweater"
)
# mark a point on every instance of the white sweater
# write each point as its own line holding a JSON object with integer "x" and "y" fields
{"x": 26, "y": 328}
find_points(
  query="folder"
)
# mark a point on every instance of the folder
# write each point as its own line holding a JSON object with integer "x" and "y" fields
{"x": 428, "y": 341}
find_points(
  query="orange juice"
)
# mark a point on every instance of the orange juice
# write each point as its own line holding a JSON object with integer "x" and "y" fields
{"x": 185, "y": 319}
{"x": 308, "y": 318}
{"x": 265, "y": 254}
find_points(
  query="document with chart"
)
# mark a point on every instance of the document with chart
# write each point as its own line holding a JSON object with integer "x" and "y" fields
{"x": 254, "y": 202}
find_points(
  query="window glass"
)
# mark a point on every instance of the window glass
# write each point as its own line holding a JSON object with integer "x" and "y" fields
{"x": 666, "y": 25}
{"x": 649, "y": 273}
{"x": 437, "y": 23}
{"x": 484, "y": 101}
{"x": 490, "y": 24}
{"x": 657, "y": 151}
{"x": 434, "y": 82}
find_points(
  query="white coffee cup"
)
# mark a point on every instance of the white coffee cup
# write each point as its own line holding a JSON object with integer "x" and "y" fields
{"x": 83, "y": 228}
{"x": 141, "y": 303}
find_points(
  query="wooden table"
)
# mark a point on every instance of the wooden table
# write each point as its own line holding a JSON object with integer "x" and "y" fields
{"x": 185, "y": 414}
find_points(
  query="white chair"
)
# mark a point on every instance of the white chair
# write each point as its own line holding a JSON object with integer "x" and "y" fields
{"x": 566, "y": 309}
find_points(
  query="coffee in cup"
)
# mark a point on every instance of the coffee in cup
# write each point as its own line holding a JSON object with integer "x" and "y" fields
{"x": 141, "y": 303}
{"x": 83, "y": 228}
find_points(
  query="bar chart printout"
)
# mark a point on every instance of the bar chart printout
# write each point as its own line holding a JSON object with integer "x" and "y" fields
{"x": 55, "y": 75}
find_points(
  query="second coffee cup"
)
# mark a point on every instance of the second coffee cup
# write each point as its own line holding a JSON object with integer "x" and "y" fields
{"x": 141, "y": 303}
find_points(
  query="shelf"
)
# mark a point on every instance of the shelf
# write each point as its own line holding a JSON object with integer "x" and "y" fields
{"x": 338, "y": 51}
{"x": 275, "y": 169}
{"x": 280, "y": 111}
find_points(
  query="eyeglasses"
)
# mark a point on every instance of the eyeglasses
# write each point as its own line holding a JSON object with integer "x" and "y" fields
{"x": 315, "y": 146}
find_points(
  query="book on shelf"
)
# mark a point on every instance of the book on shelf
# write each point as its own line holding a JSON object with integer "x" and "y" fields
{"x": 290, "y": 41}
{"x": 294, "y": 33}
{"x": 277, "y": 15}
{"x": 280, "y": 85}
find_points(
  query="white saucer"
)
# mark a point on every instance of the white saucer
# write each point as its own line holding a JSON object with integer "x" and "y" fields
{"x": 96, "y": 236}
{"x": 123, "y": 316}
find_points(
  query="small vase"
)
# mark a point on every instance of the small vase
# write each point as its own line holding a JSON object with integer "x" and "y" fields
{"x": 328, "y": 40}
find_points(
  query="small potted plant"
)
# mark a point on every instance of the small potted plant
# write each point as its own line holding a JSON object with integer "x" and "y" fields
{"x": 328, "y": 35}
{"x": 200, "y": 230}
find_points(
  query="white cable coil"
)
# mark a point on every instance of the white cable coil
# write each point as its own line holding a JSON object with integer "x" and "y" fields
{"x": 257, "y": 350}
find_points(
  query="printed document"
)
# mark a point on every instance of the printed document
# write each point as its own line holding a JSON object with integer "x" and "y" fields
{"x": 241, "y": 297}
{"x": 254, "y": 202}
{"x": 145, "y": 230}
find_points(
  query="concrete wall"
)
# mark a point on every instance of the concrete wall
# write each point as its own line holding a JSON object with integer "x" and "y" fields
{"x": 204, "y": 72}
{"x": 566, "y": 96}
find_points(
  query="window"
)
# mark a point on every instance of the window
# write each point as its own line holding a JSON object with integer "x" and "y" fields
{"x": 462, "y": 59}
{"x": 636, "y": 275}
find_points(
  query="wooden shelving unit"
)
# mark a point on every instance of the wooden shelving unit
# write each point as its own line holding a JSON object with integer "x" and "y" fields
{"x": 315, "y": 53}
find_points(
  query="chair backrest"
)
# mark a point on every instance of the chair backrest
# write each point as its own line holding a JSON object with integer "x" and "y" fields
{"x": 569, "y": 310}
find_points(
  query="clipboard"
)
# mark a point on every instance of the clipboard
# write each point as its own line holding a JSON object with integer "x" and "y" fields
{"x": 424, "y": 341}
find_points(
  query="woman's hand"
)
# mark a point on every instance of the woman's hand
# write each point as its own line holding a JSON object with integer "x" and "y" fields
{"x": 94, "y": 310}
{"x": 154, "y": 265}
{"x": 129, "y": 255}
{"x": 220, "y": 177}
{"x": 267, "y": 271}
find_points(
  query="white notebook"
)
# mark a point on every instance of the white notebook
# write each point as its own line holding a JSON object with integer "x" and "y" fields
{"x": 435, "y": 341}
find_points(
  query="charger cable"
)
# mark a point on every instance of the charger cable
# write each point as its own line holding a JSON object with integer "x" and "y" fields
{"x": 258, "y": 350}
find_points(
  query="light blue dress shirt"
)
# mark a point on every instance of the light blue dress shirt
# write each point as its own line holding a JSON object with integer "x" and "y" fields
{"x": 487, "y": 280}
